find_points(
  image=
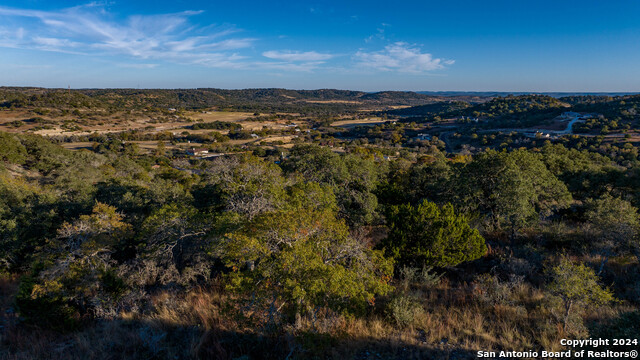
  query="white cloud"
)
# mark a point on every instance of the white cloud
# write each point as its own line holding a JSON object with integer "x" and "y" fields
{"x": 289, "y": 60}
{"x": 137, "y": 66}
{"x": 148, "y": 40}
{"x": 55, "y": 42}
{"x": 91, "y": 30}
{"x": 288, "y": 66}
{"x": 401, "y": 57}
{"x": 231, "y": 44}
{"x": 291, "y": 56}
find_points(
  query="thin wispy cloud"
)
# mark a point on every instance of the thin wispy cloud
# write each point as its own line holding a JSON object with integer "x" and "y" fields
{"x": 147, "y": 41}
{"x": 379, "y": 35}
{"x": 137, "y": 66}
{"x": 352, "y": 19}
{"x": 401, "y": 57}
{"x": 290, "y": 66}
{"x": 91, "y": 30}
{"x": 292, "y": 56}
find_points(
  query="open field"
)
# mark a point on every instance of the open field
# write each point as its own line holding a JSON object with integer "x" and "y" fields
{"x": 209, "y": 116}
{"x": 360, "y": 122}
{"x": 333, "y": 102}
{"x": 146, "y": 146}
{"x": 19, "y": 121}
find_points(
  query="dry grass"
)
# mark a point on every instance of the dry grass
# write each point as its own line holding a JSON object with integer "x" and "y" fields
{"x": 119, "y": 122}
{"x": 454, "y": 322}
{"x": 333, "y": 102}
{"x": 209, "y": 116}
{"x": 360, "y": 122}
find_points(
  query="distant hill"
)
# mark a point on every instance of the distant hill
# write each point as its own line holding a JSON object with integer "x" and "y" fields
{"x": 514, "y": 111}
{"x": 625, "y": 107}
{"x": 509, "y": 111}
{"x": 318, "y": 102}
{"x": 485, "y": 94}
{"x": 586, "y": 99}
{"x": 400, "y": 98}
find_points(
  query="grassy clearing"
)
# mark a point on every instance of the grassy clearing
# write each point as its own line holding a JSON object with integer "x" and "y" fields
{"x": 358, "y": 122}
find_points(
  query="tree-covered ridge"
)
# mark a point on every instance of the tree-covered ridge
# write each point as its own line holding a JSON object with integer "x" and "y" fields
{"x": 585, "y": 99}
{"x": 625, "y": 106}
{"x": 511, "y": 111}
{"x": 517, "y": 111}
{"x": 603, "y": 114}
{"x": 263, "y": 100}
{"x": 509, "y": 105}
{"x": 619, "y": 114}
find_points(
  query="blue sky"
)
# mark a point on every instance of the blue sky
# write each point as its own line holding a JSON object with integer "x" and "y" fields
{"x": 361, "y": 45}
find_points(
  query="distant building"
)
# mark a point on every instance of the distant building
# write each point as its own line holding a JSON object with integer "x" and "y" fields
{"x": 198, "y": 151}
{"x": 423, "y": 137}
{"x": 539, "y": 134}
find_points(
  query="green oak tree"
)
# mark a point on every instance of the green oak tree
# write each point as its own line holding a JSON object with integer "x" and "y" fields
{"x": 302, "y": 256}
{"x": 513, "y": 189}
{"x": 353, "y": 179}
{"x": 616, "y": 224}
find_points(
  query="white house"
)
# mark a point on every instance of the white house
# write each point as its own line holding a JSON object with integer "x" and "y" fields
{"x": 198, "y": 151}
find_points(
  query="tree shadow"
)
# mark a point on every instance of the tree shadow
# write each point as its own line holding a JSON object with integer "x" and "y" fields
{"x": 152, "y": 339}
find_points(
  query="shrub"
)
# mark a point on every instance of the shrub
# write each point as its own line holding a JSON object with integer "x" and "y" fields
{"x": 492, "y": 291}
{"x": 51, "y": 311}
{"x": 424, "y": 277}
{"x": 11, "y": 149}
{"x": 75, "y": 274}
{"x": 403, "y": 309}
{"x": 432, "y": 236}
{"x": 576, "y": 284}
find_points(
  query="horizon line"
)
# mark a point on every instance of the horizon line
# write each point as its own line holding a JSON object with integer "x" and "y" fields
{"x": 318, "y": 89}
